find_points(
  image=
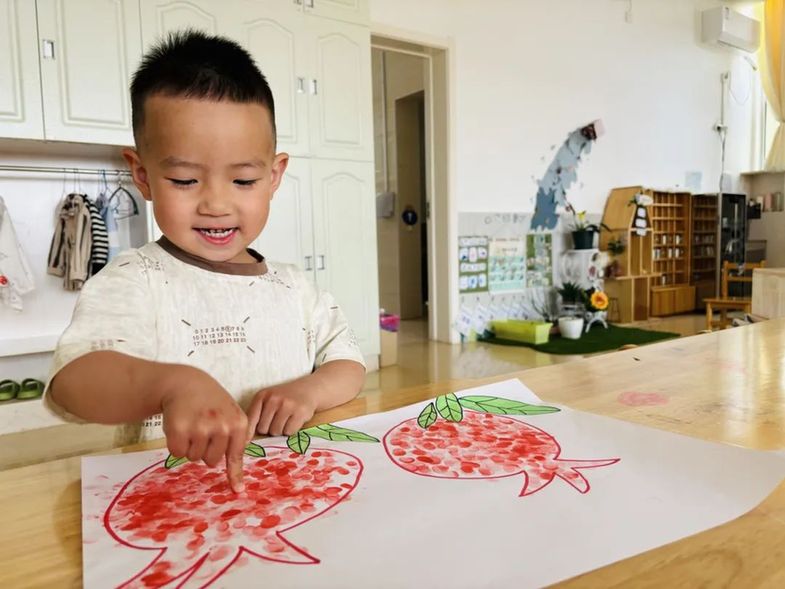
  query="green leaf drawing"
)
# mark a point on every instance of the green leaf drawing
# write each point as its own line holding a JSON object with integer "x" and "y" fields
{"x": 172, "y": 461}
{"x": 328, "y": 431}
{"x": 427, "y": 417}
{"x": 254, "y": 450}
{"x": 499, "y": 406}
{"x": 449, "y": 407}
{"x": 299, "y": 442}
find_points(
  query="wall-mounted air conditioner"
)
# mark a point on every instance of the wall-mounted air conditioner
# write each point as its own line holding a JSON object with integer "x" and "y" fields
{"x": 724, "y": 26}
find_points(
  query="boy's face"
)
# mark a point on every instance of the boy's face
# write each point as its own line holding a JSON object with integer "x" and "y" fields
{"x": 210, "y": 170}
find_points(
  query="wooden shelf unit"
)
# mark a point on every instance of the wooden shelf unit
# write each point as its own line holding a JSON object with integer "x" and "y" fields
{"x": 671, "y": 292}
{"x": 658, "y": 260}
{"x": 703, "y": 269}
{"x": 632, "y": 288}
{"x": 671, "y": 223}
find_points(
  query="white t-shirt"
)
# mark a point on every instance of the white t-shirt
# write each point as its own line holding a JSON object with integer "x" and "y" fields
{"x": 249, "y": 326}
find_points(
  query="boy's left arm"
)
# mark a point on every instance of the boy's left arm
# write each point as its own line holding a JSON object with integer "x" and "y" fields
{"x": 285, "y": 408}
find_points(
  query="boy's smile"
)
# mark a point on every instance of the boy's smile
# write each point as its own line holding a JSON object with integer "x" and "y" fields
{"x": 210, "y": 170}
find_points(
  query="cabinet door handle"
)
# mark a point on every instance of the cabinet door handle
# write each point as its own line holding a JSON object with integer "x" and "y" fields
{"x": 300, "y": 85}
{"x": 298, "y": 2}
{"x": 308, "y": 264}
{"x": 320, "y": 262}
{"x": 314, "y": 87}
{"x": 48, "y": 49}
{"x": 309, "y": 3}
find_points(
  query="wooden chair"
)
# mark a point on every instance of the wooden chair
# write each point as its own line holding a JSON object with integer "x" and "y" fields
{"x": 725, "y": 303}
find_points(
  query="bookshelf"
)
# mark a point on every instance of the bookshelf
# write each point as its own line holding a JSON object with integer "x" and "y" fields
{"x": 703, "y": 267}
{"x": 632, "y": 287}
{"x": 672, "y": 292}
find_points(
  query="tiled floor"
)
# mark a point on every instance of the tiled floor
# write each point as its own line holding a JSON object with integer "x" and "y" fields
{"x": 419, "y": 362}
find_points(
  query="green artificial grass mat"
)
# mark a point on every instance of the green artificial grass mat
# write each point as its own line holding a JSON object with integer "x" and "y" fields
{"x": 598, "y": 339}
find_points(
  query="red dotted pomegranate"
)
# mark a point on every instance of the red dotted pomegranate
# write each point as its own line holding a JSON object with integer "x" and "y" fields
{"x": 470, "y": 444}
{"x": 200, "y": 527}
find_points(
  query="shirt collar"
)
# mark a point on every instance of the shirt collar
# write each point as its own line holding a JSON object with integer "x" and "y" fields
{"x": 236, "y": 268}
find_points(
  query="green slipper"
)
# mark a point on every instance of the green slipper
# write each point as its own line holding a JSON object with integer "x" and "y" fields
{"x": 8, "y": 389}
{"x": 32, "y": 388}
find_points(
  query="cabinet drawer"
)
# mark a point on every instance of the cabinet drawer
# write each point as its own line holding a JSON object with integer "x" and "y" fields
{"x": 663, "y": 302}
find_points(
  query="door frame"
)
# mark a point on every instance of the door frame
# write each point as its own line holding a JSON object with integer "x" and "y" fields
{"x": 443, "y": 219}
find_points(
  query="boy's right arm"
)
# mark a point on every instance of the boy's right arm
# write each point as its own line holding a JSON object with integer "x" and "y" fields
{"x": 201, "y": 419}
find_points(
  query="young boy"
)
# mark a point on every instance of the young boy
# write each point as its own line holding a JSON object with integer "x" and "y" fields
{"x": 189, "y": 331}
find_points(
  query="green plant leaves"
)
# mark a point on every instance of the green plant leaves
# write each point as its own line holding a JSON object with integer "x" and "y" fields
{"x": 333, "y": 433}
{"x": 172, "y": 461}
{"x": 427, "y": 416}
{"x": 299, "y": 442}
{"x": 500, "y": 406}
{"x": 449, "y": 407}
{"x": 254, "y": 450}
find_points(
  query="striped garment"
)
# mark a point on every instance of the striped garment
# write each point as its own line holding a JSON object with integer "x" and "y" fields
{"x": 99, "y": 253}
{"x": 69, "y": 254}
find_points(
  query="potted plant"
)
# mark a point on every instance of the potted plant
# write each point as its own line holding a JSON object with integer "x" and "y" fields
{"x": 571, "y": 320}
{"x": 571, "y": 327}
{"x": 617, "y": 246}
{"x": 582, "y": 231}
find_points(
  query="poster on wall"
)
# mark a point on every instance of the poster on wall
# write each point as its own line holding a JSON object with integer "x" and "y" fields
{"x": 473, "y": 264}
{"x": 539, "y": 264}
{"x": 506, "y": 265}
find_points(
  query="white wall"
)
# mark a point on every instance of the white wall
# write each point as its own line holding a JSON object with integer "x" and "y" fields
{"x": 31, "y": 199}
{"x": 525, "y": 73}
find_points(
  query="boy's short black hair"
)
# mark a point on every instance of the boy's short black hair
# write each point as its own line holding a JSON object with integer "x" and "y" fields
{"x": 193, "y": 64}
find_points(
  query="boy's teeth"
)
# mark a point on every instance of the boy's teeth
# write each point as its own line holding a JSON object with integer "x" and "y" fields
{"x": 217, "y": 232}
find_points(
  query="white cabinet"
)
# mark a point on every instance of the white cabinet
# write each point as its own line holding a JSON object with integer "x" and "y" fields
{"x": 322, "y": 220}
{"x": 160, "y": 17}
{"x": 21, "y": 114}
{"x": 320, "y": 73}
{"x": 341, "y": 115}
{"x": 89, "y": 51}
{"x": 274, "y": 37}
{"x": 346, "y": 10}
{"x": 345, "y": 243}
{"x": 288, "y": 235}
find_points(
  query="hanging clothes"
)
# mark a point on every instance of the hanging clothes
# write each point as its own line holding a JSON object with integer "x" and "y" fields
{"x": 16, "y": 279}
{"x": 69, "y": 254}
{"x": 110, "y": 222}
{"x": 99, "y": 251}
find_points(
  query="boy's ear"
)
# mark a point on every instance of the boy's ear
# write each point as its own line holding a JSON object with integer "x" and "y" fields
{"x": 138, "y": 172}
{"x": 280, "y": 162}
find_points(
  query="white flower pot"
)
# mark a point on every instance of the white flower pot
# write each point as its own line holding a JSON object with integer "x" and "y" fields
{"x": 571, "y": 327}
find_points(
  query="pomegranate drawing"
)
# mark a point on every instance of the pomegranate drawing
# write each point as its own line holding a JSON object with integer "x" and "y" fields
{"x": 187, "y": 512}
{"x": 474, "y": 439}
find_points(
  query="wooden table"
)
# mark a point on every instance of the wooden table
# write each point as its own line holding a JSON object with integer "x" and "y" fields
{"x": 725, "y": 386}
{"x": 723, "y": 306}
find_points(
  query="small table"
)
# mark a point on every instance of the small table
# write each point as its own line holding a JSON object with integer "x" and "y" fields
{"x": 723, "y": 306}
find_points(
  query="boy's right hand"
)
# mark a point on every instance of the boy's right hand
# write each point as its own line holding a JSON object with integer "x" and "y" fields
{"x": 203, "y": 422}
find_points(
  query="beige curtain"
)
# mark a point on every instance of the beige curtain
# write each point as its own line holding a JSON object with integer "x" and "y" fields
{"x": 772, "y": 69}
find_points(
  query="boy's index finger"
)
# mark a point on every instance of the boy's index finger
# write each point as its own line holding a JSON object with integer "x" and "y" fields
{"x": 234, "y": 464}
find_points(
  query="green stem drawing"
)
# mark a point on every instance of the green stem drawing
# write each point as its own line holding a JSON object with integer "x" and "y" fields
{"x": 451, "y": 408}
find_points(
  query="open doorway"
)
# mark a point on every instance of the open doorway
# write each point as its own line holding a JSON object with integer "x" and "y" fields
{"x": 409, "y": 95}
{"x": 412, "y": 191}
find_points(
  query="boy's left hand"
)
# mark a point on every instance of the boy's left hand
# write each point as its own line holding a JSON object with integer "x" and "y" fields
{"x": 282, "y": 409}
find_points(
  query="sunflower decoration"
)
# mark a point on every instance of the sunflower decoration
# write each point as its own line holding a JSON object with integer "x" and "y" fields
{"x": 596, "y": 300}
